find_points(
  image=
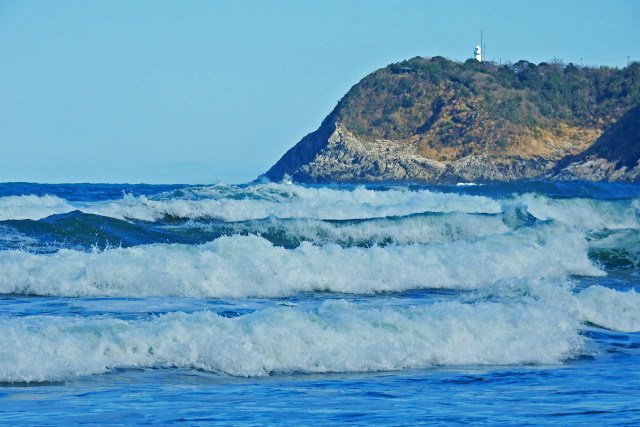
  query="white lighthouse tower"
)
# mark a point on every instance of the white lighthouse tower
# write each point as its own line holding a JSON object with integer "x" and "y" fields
{"x": 478, "y": 54}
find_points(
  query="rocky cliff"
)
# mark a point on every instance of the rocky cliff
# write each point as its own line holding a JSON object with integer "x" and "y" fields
{"x": 615, "y": 156}
{"x": 438, "y": 121}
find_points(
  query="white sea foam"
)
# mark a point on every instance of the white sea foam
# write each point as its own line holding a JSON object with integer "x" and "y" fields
{"x": 240, "y": 203}
{"x": 337, "y": 337}
{"x": 611, "y": 309}
{"x": 32, "y": 207}
{"x": 586, "y": 214}
{"x": 231, "y": 203}
{"x": 601, "y": 306}
{"x": 290, "y": 201}
{"x": 250, "y": 266}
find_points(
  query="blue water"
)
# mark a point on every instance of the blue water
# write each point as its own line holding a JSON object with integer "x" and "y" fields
{"x": 276, "y": 303}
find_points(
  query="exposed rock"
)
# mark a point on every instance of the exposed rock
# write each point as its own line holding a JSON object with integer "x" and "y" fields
{"x": 347, "y": 159}
{"x": 481, "y": 168}
{"x": 593, "y": 168}
{"x": 344, "y": 158}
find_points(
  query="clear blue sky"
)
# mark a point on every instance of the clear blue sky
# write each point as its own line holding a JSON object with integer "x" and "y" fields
{"x": 207, "y": 91}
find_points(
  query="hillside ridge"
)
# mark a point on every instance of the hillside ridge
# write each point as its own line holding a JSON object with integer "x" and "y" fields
{"x": 438, "y": 121}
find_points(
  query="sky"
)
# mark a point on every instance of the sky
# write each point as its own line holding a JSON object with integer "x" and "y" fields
{"x": 199, "y": 92}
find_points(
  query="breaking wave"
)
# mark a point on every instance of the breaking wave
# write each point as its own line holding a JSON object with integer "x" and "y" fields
{"x": 336, "y": 337}
{"x": 251, "y": 266}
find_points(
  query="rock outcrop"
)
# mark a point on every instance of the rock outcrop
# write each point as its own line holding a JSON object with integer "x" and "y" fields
{"x": 341, "y": 157}
{"x": 344, "y": 158}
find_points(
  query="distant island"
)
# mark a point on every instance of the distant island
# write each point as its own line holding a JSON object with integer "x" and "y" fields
{"x": 436, "y": 121}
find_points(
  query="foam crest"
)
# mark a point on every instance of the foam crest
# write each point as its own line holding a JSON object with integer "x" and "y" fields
{"x": 419, "y": 228}
{"x": 259, "y": 201}
{"x": 32, "y": 207}
{"x": 290, "y": 201}
{"x": 609, "y": 308}
{"x": 337, "y": 337}
{"x": 598, "y": 305}
{"x": 251, "y": 266}
{"x": 586, "y": 214}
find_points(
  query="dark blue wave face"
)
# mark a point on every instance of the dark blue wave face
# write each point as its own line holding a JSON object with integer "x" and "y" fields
{"x": 84, "y": 192}
{"x": 81, "y": 231}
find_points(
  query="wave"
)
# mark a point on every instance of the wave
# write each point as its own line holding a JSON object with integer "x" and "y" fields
{"x": 416, "y": 228}
{"x": 232, "y": 203}
{"x": 611, "y": 309}
{"x": 336, "y": 337}
{"x": 10, "y": 238}
{"x": 605, "y": 307}
{"x": 32, "y": 207}
{"x": 284, "y": 201}
{"x": 251, "y": 266}
{"x": 256, "y": 202}
{"x": 617, "y": 248}
{"x": 82, "y": 231}
{"x": 613, "y": 248}
{"x": 586, "y": 214}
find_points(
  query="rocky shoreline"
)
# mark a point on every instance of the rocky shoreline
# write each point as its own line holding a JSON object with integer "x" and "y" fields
{"x": 343, "y": 158}
{"x": 346, "y": 159}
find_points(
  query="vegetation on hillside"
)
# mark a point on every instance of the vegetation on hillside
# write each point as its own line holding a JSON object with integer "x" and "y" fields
{"x": 454, "y": 109}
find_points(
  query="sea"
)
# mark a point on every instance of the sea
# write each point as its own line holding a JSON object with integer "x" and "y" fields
{"x": 278, "y": 303}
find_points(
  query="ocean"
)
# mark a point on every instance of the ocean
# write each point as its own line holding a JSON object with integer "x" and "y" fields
{"x": 281, "y": 303}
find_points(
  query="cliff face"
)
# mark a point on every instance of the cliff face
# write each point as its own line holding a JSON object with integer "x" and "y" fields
{"x": 615, "y": 156}
{"x": 437, "y": 121}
